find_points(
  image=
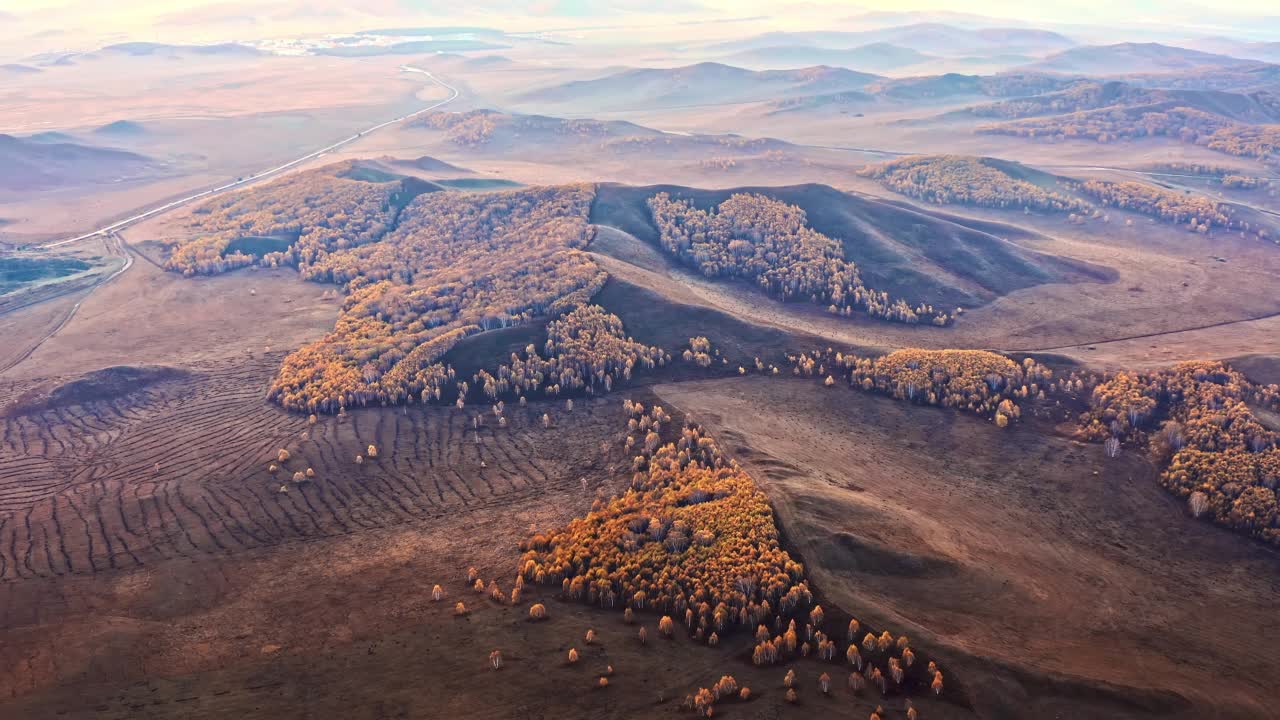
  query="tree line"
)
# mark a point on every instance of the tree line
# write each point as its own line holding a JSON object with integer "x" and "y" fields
{"x": 976, "y": 381}
{"x": 1197, "y": 212}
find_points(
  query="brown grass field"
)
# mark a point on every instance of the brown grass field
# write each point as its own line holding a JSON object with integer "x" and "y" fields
{"x": 151, "y": 566}
{"x": 939, "y": 524}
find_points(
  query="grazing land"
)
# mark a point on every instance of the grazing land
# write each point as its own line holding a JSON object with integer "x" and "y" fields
{"x": 895, "y": 366}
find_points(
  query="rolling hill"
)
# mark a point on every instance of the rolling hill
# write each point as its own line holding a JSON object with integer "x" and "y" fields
{"x": 928, "y": 38}
{"x": 1132, "y": 58}
{"x": 121, "y": 129}
{"x": 1260, "y": 51}
{"x": 1256, "y": 107}
{"x": 874, "y": 57}
{"x": 32, "y": 165}
{"x": 148, "y": 49}
{"x": 900, "y": 249}
{"x": 926, "y": 89}
{"x": 700, "y": 84}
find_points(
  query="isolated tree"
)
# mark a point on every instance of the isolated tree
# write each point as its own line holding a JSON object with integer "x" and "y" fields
{"x": 643, "y": 635}
{"x": 1198, "y": 502}
{"x": 283, "y": 455}
{"x": 478, "y": 586}
{"x": 791, "y": 696}
{"x": 869, "y": 642}
{"x": 854, "y": 657}
{"x": 437, "y": 593}
{"x": 359, "y": 459}
{"x": 459, "y": 609}
{"x": 372, "y": 451}
{"x": 824, "y": 682}
{"x": 725, "y": 687}
{"x": 495, "y": 659}
{"x": 885, "y": 641}
{"x": 573, "y": 656}
{"x": 537, "y": 611}
{"x": 789, "y": 680}
{"x": 703, "y": 701}
{"x": 666, "y": 626}
{"x": 590, "y": 637}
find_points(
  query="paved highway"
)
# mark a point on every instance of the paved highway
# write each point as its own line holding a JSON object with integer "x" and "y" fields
{"x": 257, "y": 177}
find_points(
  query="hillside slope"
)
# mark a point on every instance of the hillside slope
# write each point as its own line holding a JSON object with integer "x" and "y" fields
{"x": 1132, "y": 58}
{"x": 898, "y": 249}
{"x": 704, "y": 83}
{"x": 27, "y": 164}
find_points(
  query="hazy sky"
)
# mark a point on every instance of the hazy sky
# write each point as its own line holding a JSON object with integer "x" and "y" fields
{"x": 72, "y": 23}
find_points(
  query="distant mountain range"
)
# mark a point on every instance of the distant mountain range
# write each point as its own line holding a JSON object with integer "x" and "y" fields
{"x": 1086, "y": 95}
{"x": 874, "y": 57}
{"x": 1260, "y": 51}
{"x": 1132, "y": 58}
{"x": 145, "y": 50}
{"x": 700, "y": 84}
{"x": 137, "y": 49}
{"x": 926, "y": 38}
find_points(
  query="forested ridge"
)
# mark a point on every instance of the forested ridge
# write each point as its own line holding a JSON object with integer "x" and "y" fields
{"x": 458, "y": 263}
{"x": 1197, "y": 419}
{"x": 422, "y": 273}
{"x": 1186, "y": 124}
{"x": 694, "y": 541}
{"x": 417, "y": 280}
{"x": 314, "y": 213}
{"x": 964, "y": 180}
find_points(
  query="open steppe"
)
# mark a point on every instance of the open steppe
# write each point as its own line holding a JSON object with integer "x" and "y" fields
{"x": 236, "y": 457}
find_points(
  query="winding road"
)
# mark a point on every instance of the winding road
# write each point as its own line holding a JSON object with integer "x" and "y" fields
{"x": 111, "y": 231}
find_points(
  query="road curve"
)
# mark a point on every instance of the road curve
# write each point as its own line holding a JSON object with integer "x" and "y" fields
{"x": 111, "y": 230}
{"x": 263, "y": 175}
